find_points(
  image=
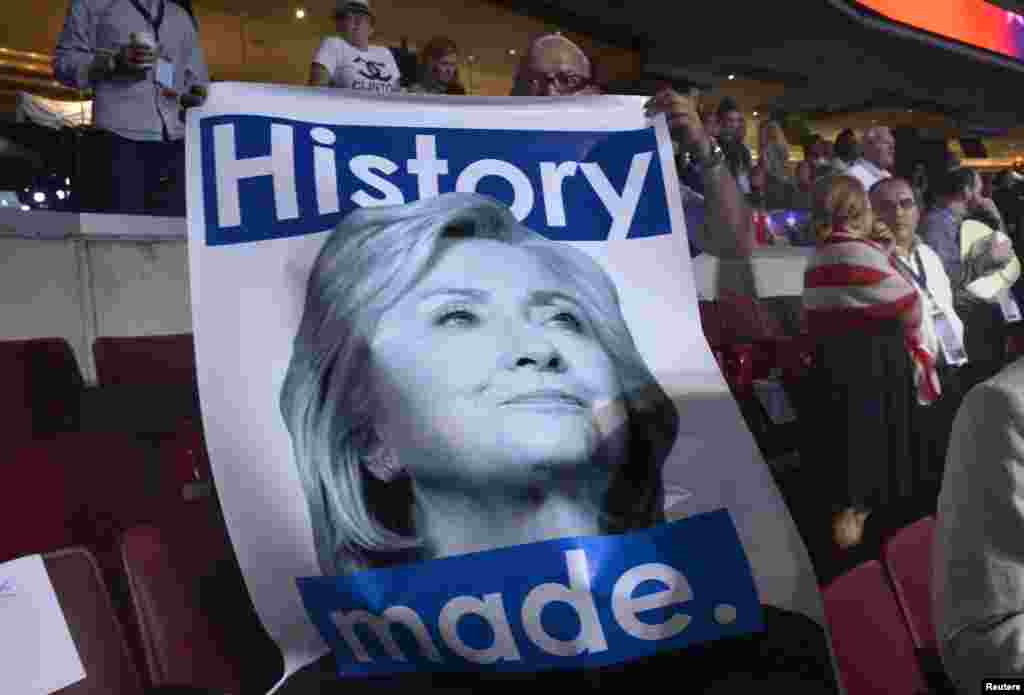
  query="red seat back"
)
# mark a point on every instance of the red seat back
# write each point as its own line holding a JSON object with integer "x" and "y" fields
{"x": 36, "y": 501}
{"x": 743, "y": 320}
{"x": 79, "y": 488}
{"x": 197, "y": 624}
{"x": 41, "y": 384}
{"x": 93, "y": 624}
{"x": 151, "y": 360}
{"x": 908, "y": 559}
{"x": 872, "y": 645}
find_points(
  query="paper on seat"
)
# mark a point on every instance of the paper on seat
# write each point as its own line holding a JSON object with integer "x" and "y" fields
{"x": 37, "y": 653}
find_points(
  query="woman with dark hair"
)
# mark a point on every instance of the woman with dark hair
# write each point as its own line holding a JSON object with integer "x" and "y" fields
{"x": 439, "y": 68}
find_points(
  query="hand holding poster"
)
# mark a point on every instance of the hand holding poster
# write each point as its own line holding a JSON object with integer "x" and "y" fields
{"x": 460, "y": 410}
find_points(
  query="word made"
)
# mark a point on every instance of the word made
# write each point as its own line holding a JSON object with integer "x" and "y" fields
{"x": 569, "y": 603}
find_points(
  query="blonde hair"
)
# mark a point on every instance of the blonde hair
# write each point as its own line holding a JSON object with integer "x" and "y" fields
{"x": 840, "y": 202}
{"x": 372, "y": 260}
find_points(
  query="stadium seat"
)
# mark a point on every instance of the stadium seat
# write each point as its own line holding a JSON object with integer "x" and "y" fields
{"x": 145, "y": 360}
{"x": 743, "y": 320}
{"x": 80, "y": 489}
{"x": 93, "y": 625}
{"x": 907, "y": 556}
{"x": 41, "y": 386}
{"x": 36, "y": 501}
{"x": 873, "y": 647}
{"x": 147, "y": 385}
{"x": 196, "y": 622}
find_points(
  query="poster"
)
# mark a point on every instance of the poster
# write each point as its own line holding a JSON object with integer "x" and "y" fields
{"x": 461, "y": 414}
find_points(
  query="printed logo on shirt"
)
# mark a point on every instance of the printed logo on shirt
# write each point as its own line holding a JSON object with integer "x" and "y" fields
{"x": 372, "y": 77}
{"x": 374, "y": 70}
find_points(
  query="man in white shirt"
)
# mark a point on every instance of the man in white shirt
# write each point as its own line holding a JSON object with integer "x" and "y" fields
{"x": 143, "y": 60}
{"x": 877, "y": 159}
{"x": 894, "y": 203}
{"x": 942, "y": 330}
{"x": 349, "y": 61}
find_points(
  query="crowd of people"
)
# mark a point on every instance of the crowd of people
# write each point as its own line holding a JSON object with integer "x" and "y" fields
{"x": 926, "y": 260}
{"x": 142, "y": 93}
{"x": 932, "y": 268}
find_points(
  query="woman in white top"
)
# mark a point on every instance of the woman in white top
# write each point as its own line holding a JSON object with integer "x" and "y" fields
{"x": 348, "y": 60}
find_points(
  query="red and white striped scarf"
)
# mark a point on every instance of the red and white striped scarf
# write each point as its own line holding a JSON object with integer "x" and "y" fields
{"x": 851, "y": 283}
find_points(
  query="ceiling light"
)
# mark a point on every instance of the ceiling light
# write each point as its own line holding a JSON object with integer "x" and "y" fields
{"x": 732, "y": 77}
{"x": 511, "y": 51}
{"x": 67, "y": 181}
{"x": 300, "y": 13}
{"x": 39, "y": 197}
{"x": 755, "y": 113}
{"x": 61, "y": 194}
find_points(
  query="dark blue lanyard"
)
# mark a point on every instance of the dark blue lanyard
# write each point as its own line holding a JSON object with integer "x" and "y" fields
{"x": 918, "y": 273}
{"x": 154, "y": 22}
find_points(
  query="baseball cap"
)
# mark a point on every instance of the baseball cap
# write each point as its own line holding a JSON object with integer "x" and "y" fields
{"x": 357, "y": 6}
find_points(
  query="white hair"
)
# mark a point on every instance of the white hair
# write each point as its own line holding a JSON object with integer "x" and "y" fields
{"x": 519, "y": 87}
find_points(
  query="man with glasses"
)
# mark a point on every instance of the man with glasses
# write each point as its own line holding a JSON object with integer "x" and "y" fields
{"x": 554, "y": 66}
{"x": 895, "y": 204}
{"x": 348, "y": 60}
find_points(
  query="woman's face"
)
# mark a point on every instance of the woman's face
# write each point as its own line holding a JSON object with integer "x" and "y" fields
{"x": 443, "y": 69}
{"x": 490, "y": 370}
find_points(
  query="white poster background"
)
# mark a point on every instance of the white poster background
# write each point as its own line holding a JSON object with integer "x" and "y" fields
{"x": 247, "y": 304}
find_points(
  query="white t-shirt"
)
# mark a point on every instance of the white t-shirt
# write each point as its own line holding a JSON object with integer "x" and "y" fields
{"x": 867, "y": 173}
{"x": 372, "y": 70}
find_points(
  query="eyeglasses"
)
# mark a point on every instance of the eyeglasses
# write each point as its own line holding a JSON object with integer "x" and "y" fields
{"x": 905, "y": 204}
{"x": 564, "y": 82}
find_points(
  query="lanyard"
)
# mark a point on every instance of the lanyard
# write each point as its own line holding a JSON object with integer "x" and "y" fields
{"x": 154, "y": 22}
{"x": 918, "y": 274}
